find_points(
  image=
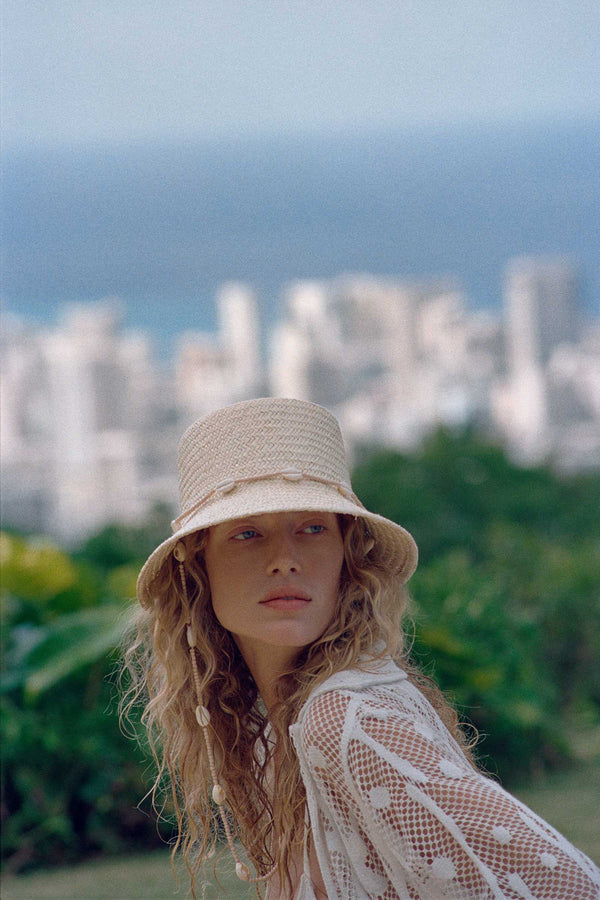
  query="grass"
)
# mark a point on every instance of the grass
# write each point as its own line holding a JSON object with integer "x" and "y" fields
{"x": 571, "y": 802}
{"x": 568, "y": 800}
{"x": 145, "y": 877}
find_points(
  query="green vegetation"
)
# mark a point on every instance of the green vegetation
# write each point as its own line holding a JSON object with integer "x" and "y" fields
{"x": 506, "y": 617}
{"x": 71, "y": 781}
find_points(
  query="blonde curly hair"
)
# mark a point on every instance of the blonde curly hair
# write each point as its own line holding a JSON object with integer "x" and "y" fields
{"x": 368, "y": 622}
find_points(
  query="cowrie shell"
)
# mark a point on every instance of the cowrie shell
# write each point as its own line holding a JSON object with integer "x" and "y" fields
{"x": 292, "y": 474}
{"x": 242, "y": 871}
{"x": 225, "y": 486}
{"x": 218, "y": 794}
{"x": 179, "y": 551}
{"x": 202, "y": 716}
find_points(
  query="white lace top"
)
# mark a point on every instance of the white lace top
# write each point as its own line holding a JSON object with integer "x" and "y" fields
{"x": 397, "y": 812}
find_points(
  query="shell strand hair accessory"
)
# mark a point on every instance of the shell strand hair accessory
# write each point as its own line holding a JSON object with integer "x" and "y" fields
{"x": 203, "y": 718}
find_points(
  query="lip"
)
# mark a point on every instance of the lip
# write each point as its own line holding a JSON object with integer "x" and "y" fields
{"x": 287, "y": 604}
{"x": 285, "y": 597}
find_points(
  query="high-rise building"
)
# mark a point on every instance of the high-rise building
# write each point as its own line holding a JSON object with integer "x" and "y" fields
{"x": 239, "y": 335}
{"x": 213, "y": 370}
{"x": 77, "y": 453}
{"x": 545, "y": 407}
{"x": 392, "y": 358}
{"x": 541, "y": 305}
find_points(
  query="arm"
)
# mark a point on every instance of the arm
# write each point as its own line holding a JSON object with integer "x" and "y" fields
{"x": 413, "y": 813}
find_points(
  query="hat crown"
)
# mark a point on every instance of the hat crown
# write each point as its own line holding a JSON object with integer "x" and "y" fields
{"x": 258, "y": 438}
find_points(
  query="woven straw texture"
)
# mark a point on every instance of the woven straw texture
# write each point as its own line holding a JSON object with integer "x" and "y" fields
{"x": 256, "y": 438}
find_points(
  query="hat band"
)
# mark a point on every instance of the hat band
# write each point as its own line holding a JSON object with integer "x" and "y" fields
{"x": 225, "y": 487}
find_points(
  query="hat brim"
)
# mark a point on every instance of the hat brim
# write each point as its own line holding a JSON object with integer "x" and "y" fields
{"x": 397, "y": 546}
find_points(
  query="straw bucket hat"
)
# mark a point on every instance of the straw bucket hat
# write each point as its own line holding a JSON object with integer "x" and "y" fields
{"x": 263, "y": 456}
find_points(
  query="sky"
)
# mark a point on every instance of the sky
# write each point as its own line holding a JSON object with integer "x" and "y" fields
{"x": 121, "y": 71}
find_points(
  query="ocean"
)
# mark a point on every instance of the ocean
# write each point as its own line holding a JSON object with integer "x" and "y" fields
{"x": 162, "y": 226}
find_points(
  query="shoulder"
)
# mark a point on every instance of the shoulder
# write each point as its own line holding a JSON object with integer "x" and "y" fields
{"x": 380, "y": 710}
{"x": 379, "y": 688}
{"x": 349, "y": 688}
{"x": 371, "y": 673}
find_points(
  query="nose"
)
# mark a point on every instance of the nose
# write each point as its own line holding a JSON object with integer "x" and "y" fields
{"x": 283, "y": 558}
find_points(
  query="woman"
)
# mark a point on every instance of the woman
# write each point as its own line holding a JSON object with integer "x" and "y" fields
{"x": 279, "y": 696}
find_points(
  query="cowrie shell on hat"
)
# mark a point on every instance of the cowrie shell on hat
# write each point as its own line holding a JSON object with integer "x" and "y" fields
{"x": 225, "y": 487}
{"x": 264, "y": 456}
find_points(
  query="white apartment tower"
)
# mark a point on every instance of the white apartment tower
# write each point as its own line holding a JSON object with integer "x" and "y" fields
{"x": 77, "y": 414}
{"x": 214, "y": 370}
{"x": 391, "y": 358}
{"x": 340, "y": 334}
{"x": 545, "y": 407}
{"x": 541, "y": 308}
{"x": 238, "y": 327}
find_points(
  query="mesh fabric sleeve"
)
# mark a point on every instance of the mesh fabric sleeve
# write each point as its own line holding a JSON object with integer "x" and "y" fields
{"x": 397, "y": 810}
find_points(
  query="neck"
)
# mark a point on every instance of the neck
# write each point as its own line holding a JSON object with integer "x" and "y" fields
{"x": 267, "y": 668}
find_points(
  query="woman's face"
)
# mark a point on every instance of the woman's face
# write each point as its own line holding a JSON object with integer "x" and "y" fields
{"x": 274, "y": 578}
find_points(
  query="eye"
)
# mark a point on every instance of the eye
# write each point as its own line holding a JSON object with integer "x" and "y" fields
{"x": 245, "y": 535}
{"x": 313, "y": 529}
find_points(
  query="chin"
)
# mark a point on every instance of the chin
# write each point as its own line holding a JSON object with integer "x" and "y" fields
{"x": 293, "y": 638}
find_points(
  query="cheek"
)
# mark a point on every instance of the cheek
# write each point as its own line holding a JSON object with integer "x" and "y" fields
{"x": 218, "y": 589}
{"x": 339, "y": 560}
{"x": 223, "y": 609}
{"x": 229, "y": 593}
{"x": 332, "y": 576}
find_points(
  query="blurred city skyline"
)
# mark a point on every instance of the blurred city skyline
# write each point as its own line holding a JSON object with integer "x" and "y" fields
{"x": 90, "y": 422}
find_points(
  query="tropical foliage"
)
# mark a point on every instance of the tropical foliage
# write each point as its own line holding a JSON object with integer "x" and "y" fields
{"x": 71, "y": 781}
